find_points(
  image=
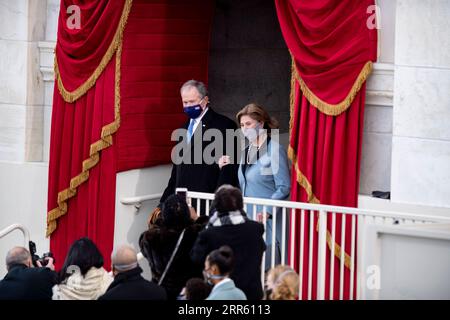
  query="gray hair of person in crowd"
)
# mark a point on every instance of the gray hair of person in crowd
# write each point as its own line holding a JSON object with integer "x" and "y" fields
{"x": 124, "y": 258}
{"x": 18, "y": 255}
{"x": 200, "y": 86}
{"x": 228, "y": 198}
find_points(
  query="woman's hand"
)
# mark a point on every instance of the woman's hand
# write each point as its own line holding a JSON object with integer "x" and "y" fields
{"x": 260, "y": 216}
{"x": 223, "y": 161}
{"x": 193, "y": 213}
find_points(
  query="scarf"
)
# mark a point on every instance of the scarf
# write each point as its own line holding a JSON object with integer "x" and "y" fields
{"x": 228, "y": 218}
{"x": 79, "y": 287}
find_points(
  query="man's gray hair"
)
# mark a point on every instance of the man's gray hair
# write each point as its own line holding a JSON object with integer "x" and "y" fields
{"x": 200, "y": 86}
{"x": 17, "y": 255}
{"x": 124, "y": 258}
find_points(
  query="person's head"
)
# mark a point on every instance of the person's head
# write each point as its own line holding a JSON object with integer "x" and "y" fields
{"x": 196, "y": 289}
{"x": 175, "y": 212}
{"x": 282, "y": 283}
{"x": 18, "y": 255}
{"x": 124, "y": 259}
{"x": 228, "y": 198}
{"x": 218, "y": 264}
{"x": 195, "y": 98}
{"x": 253, "y": 118}
{"x": 83, "y": 255}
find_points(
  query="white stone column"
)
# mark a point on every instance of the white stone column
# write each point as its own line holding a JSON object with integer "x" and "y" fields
{"x": 46, "y": 49}
{"x": 421, "y": 120}
{"x": 22, "y": 25}
{"x": 377, "y": 134}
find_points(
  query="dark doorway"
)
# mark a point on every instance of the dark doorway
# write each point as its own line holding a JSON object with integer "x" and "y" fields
{"x": 249, "y": 60}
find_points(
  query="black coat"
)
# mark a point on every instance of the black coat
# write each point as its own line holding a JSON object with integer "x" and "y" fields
{"x": 130, "y": 285}
{"x": 157, "y": 245}
{"x": 23, "y": 283}
{"x": 203, "y": 177}
{"x": 246, "y": 241}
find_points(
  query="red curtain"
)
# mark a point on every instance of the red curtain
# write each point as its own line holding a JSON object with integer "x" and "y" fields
{"x": 116, "y": 102}
{"x": 332, "y": 50}
{"x": 80, "y": 51}
{"x": 75, "y": 126}
{"x": 82, "y": 163}
{"x": 165, "y": 44}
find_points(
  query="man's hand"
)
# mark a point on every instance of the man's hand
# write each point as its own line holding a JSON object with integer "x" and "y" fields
{"x": 223, "y": 161}
{"x": 49, "y": 265}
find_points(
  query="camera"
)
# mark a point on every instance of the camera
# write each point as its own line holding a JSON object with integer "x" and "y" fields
{"x": 35, "y": 258}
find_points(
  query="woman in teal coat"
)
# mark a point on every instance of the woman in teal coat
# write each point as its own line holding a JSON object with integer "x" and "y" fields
{"x": 263, "y": 170}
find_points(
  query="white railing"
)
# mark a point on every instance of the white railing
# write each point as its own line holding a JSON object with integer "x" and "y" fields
{"x": 16, "y": 226}
{"x": 318, "y": 227}
{"x": 317, "y": 230}
{"x": 137, "y": 201}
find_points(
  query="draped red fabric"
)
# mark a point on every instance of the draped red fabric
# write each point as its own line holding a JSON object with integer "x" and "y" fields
{"x": 332, "y": 48}
{"x": 75, "y": 126}
{"x": 79, "y": 51}
{"x": 164, "y": 44}
{"x": 328, "y": 153}
{"x": 330, "y": 41}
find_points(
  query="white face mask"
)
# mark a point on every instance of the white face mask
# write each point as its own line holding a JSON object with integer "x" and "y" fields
{"x": 252, "y": 133}
{"x": 208, "y": 277}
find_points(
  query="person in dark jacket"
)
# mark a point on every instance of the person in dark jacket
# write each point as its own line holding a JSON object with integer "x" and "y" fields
{"x": 128, "y": 283}
{"x": 159, "y": 242}
{"x": 230, "y": 226}
{"x": 23, "y": 281}
{"x": 196, "y": 289}
{"x": 192, "y": 170}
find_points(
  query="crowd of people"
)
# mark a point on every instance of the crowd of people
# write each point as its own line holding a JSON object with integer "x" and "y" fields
{"x": 192, "y": 255}
{"x": 191, "y": 258}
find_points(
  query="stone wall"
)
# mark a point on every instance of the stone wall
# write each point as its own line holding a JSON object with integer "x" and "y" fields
{"x": 421, "y": 119}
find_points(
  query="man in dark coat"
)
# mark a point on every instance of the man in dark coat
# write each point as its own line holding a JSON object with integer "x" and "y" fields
{"x": 230, "y": 226}
{"x": 192, "y": 170}
{"x": 128, "y": 283}
{"x": 23, "y": 281}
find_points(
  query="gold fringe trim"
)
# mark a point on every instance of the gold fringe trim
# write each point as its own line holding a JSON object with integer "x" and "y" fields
{"x": 337, "y": 251}
{"x": 105, "y": 141}
{"x": 304, "y": 182}
{"x": 71, "y": 96}
{"x": 301, "y": 178}
{"x": 324, "y": 107}
{"x": 292, "y": 97}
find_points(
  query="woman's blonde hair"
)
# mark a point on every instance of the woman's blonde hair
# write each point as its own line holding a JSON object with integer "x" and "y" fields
{"x": 258, "y": 113}
{"x": 285, "y": 283}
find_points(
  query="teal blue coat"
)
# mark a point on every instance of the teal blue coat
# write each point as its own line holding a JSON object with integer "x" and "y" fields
{"x": 226, "y": 291}
{"x": 269, "y": 178}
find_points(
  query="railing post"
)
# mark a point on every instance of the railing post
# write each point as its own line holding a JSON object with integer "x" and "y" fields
{"x": 11, "y": 228}
{"x": 321, "y": 264}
